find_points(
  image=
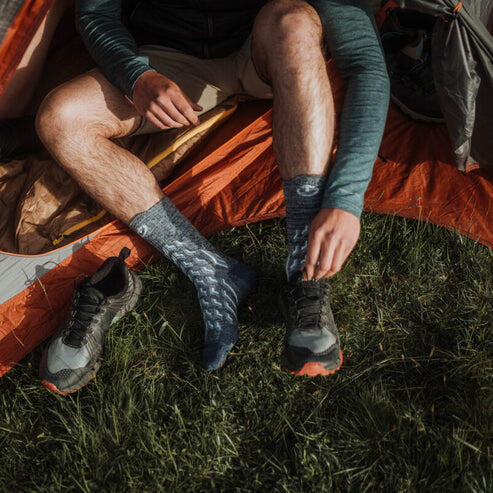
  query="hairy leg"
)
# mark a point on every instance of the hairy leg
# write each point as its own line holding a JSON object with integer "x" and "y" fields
{"x": 18, "y": 92}
{"x": 287, "y": 50}
{"x": 76, "y": 122}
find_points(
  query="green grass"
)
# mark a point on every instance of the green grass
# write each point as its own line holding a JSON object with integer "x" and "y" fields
{"x": 410, "y": 410}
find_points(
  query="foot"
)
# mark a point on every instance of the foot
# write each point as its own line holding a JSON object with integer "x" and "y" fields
{"x": 73, "y": 355}
{"x": 219, "y": 297}
{"x": 17, "y": 137}
{"x": 312, "y": 342}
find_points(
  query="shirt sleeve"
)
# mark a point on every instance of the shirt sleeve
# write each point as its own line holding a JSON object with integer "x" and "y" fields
{"x": 354, "y": 43}
{"x": 110, "y": 43}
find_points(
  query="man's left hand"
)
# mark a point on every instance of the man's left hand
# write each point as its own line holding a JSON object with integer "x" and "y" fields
{"x": 332, "y": 236}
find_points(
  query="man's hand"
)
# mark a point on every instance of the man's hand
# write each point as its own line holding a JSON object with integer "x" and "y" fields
{"x": 332, "y": 236}
{"x": 163, "y": 103}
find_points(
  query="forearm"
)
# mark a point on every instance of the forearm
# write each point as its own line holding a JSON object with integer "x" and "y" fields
{"x": 110, "y": 43}
{"x": 354, "y": 43}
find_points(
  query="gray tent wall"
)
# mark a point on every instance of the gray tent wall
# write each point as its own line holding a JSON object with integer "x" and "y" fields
{"x": 8, "y": 11}
{"x": 462, "y": 58}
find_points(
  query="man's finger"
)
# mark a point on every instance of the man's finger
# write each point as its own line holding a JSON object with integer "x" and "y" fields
{"x": 154, "y": 120}
{"x": 340, "y": 256}
{"x": 312, "y": 252}
{"x": 324, "y": 259}
{"x": 187, "y": 112}
{"x": 184, "y": 105}
{"x": 161, "y": 115}
{"x": 195, "y": 106}
{"x": 169, "y": 108}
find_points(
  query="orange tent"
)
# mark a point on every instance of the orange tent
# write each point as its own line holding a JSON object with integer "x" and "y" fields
{"x": 231, "y": 181}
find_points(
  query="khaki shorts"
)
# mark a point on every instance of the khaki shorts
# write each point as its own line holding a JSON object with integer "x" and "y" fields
{"x": 208, "y": 82}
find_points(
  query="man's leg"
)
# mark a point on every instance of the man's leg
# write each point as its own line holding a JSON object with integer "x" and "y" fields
{"x": 287, "y": 51}
{"x": 76, "y": 123}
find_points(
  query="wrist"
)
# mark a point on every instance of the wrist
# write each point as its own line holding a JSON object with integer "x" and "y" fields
{"x": 139, "y": 79}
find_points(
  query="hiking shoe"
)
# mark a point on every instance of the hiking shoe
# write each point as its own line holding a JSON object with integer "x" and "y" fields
{"x": 312, "y": 342}
{"x": 406, "y": 39}
{"x": 73, "y": 355}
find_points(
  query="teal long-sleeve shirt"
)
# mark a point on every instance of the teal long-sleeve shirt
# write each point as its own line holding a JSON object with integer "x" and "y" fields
{"x": 351, "y": 36}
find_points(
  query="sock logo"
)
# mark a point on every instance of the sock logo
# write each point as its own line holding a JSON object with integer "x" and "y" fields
{"x": 142, "y": 229}
{"x": 308, "y": 190}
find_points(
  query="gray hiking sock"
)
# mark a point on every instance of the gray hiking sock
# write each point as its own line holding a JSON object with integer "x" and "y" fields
{"x": 303, "y": 195}
{"x": 221, "y": 282}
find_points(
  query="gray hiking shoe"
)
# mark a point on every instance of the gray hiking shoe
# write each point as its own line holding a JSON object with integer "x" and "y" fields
{"x": 73, "y": 355}
{"x": 312, "y": 342}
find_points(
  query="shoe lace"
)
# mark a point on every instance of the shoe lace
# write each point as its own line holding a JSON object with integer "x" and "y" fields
{"x": 85, "y": 305}
{"x": 308, "y": 299}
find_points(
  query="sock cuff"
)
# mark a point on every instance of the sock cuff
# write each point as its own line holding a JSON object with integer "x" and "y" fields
{"x": 304, "y": 190}
{"x": 299, "y": 180}
{"x": 305, "y": 185}
{"x": 144, "y": 223}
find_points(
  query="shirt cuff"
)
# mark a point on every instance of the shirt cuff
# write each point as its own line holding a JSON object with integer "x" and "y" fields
{"x": 133, "y": 76}
{"x": 354, "y": 206}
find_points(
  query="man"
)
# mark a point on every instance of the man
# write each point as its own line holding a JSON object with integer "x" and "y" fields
{"x": 194, "y": 55}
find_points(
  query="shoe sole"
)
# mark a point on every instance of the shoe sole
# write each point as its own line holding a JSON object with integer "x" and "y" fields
{"x": 301, "y": 361}
{"x": 315, "y": 369}
{"x": 124, "y": 310}
{"x": 51, "y": 386}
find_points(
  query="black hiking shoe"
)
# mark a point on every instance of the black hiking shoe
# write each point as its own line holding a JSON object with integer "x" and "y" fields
{"x": 18, "y": 137}
{"x": 406, "y": 39}
{"x": 312, "y": 342}
{"x": 73, "y": 355}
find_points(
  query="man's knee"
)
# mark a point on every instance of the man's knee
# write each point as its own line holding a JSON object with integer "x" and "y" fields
{"x": 77, "y": 111}
{"x": 282, "y": 22}
{"x": 59, "y": 115}
{"x": 284, "y": 31}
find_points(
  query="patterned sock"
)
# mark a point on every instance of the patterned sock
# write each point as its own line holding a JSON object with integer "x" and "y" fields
{"x": 221, "y": 282}
{"x": 303, "y": 195}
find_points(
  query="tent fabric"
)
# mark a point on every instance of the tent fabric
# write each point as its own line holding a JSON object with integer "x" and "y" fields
{"x": 19, "y": 21}
{"x": 9, "y": 11}
{"x": 462, "y": 62}
{"x": 233, "y": 180}
{"x": 43, "y": 205}
{"x": 20, "y": 271}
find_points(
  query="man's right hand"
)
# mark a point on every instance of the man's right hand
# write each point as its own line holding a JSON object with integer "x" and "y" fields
{"x": 163, "y": 103}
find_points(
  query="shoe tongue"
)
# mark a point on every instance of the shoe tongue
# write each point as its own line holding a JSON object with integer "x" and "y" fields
{"x": 104, "y": 270}
{"x": 297, "y": 277}
{"x": 88, "y": 290}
